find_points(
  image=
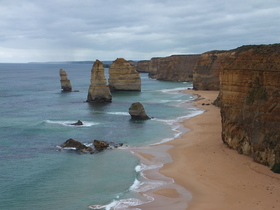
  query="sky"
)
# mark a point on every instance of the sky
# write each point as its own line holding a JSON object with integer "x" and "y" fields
{"x": 79, "y": 30}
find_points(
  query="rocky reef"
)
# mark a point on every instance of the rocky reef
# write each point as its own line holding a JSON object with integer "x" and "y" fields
{"x": 123, "y": 76}
{"x": 71, "y": 143}
{"x": 98, "y": 90}
{"x": 250, "y": 102}
{"x": 98, "y": 146}
{"x": 65, "y": 82}
{"x": 137, "y": 112}
{"x": 79, "y": 122}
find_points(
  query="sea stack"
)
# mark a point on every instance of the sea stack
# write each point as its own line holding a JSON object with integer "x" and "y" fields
{"x": 137, "y": 112}
{"x": 98, "y": 90}
{"x": 65, "y": 82}
{"x": 123, "y": 76}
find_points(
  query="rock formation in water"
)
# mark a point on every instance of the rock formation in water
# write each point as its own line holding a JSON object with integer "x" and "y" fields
{"x": 79, "y": 122}
{"x": 65, "y": 82}
{"x": 123, "y": 76}
{"x": 76, "y": 144}
{"x": 137, "y": 112}
{"x": 250, "y": 102}
{"x": 207, "y": 70}
{"x": 100, "y": 145}
{"x": 98, "y": 90}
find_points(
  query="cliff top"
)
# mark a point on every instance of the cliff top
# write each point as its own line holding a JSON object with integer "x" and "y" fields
{"x": 97, "y": 63}
{"x": 120, "y": 60}
{"x": 260, "y": 49}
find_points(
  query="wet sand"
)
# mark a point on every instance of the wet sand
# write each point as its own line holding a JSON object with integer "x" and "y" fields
{"x": 216, "y": 176}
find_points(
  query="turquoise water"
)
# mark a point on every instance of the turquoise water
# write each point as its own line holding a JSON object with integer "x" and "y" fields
{"x": 35, "y": 118}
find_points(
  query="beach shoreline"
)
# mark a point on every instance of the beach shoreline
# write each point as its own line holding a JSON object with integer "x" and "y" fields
{"x": 216, "y": 176}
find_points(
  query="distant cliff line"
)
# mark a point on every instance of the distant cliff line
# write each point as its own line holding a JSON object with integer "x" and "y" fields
{"x": 248, "y": 78}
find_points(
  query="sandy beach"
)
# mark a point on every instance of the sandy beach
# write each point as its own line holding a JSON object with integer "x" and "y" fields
{"x": 216, "y": 176}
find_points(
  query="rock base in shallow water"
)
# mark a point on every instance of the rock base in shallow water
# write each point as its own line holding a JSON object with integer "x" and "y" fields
{"x": 79, "y": 122}
{"x": 123, "y": 76}
{"x": 99, "y": 146}
{"x": 137, "y": 112}
{"x": 65, "y": 82}
{"x": 98, "y": 91}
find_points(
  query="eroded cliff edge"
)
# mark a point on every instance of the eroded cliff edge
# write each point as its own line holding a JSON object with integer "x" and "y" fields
{"x": 178, "y": 68}
{"x": 249, "y": 99}
{"x": 207, "y": 70}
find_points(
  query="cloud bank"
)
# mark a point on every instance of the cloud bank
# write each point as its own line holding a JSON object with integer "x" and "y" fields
{"x": 64, "y": 30}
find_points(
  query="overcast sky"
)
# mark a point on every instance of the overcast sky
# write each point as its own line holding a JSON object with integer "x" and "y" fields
{"x": 64, "y": 30}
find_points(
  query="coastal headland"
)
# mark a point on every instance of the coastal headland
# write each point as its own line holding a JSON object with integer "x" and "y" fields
{"x": 216, "y": 176}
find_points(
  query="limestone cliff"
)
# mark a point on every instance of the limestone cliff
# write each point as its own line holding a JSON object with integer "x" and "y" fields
{"x": 64, "y": 81}
{"x": 207, "y": 70}
{"x": 143, "y": 66}
{"x": 137, "y": 112}
{"x": 178, "y": 68}
{"x": 98, "y": 90}
{"x": 153, "y": 67}
{"x": 250, "y": 102}
{"x": 123, "y": 76}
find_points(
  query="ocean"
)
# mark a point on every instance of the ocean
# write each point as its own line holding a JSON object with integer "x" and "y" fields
{"x": 36, "y": 117}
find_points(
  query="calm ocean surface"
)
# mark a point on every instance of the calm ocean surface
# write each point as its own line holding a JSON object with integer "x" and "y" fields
{"x": 35, "y": 118}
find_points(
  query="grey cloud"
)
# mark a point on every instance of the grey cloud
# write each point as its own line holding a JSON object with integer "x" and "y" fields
{"x": 68, "y": 29}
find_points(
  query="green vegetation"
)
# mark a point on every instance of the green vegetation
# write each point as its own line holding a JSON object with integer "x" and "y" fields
{"x": 276, "y": 168}
{"x": 260, "y": 49}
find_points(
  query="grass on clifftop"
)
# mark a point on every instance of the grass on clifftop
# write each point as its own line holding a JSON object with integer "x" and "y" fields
{"x": 260, "y": 49}
{"x": 276, "y": 168}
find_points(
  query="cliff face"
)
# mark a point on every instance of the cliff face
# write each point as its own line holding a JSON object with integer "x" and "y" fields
{"x": 153, "y": 67}
{"x": 143, "y": 66}
{"x": 177, "y": 68}
{"x": 123, "y": 76}
{"x": 64, "y": 81}
{"x": 250, "y": 102}
{"x": 98, "y": 90}
{"x": 207, "y": 70}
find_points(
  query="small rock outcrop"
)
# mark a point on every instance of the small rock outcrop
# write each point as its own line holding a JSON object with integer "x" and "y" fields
{"x": 98, "y": 90}
{"x": 75, "y": 144}
{"x": 250, "y": 102}
{"x": 65, "y": 82}
{"x": 79, "y": 122}
{"x": 123, "y": 76}
{"x": 100, "y": 145}
{"x": 137, "y": 112}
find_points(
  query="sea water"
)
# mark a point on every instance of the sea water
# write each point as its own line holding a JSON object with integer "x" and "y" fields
{"x": 36, "y": 117}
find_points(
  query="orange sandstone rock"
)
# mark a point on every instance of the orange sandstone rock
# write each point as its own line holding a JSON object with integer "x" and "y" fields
{"x": 98, "y": 90}
{"x": 123, "y": 76}
{"x": 65, "y": 82}
{"x": 250, "y": 102}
